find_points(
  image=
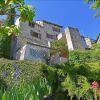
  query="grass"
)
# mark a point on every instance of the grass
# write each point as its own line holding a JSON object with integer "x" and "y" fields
{"x": 27, "y": 91}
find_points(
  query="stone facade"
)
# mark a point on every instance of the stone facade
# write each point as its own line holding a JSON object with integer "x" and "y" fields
{"x": 74, "y": 39}
{"x": 84, "y": 42}
{"x": 98, "y": 39}
{"x": 88, "y": 42}
{"x": 34, "y": 42}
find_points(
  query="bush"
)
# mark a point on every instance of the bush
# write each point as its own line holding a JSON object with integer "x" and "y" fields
{"x": 89, "y": 69}
{"x": 72, "y": 78}
{"x": 87, "y": 55}
{"x": 12, "y": 71}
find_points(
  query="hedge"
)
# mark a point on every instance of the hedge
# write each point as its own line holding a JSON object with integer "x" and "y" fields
{"x": 12, "y": 71}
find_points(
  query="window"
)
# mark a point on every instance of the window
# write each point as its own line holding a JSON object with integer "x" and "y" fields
{"x": 34, "y": 34}
{"x": 31, "y": 24}
{"x": 37, "y": 54}
{"x": 56, "y": 29}
{"x": 51, "y": 36}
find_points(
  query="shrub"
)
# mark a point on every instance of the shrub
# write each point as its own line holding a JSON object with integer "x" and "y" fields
{"x": 87, "y": 55}
{"x": 72, "y": 78}
{"x": 17, "y": 71}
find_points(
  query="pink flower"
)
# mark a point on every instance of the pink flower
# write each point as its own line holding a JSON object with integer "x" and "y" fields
{"x": 95, "y": 85}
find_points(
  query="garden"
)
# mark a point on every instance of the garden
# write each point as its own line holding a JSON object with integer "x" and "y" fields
{"x": 76, "y": 79}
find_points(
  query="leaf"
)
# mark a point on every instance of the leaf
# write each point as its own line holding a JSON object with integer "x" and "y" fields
{"x": 27, "y": 13}
{"x": 2, "y": 2}
{"x": 97, "y": 14}
{"x": 15, "y": 1}
{"x": 96, "y": 4}
{"x": 9, "y": 33}
{"x": 4, "y": 96}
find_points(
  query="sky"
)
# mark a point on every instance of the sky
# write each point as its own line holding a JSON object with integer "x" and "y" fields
{"x": 75, "y": 13}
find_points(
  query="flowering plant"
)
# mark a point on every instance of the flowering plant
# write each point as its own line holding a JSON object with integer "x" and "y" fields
{"x": 95, "y": 87}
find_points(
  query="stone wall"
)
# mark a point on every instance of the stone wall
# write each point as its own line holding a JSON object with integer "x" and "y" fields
{"x": 74, "y": 39}
{"x": 98, "y": 40}
{"x": 88, "y": 42}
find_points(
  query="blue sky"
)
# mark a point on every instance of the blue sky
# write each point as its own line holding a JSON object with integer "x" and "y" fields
{"x": 75, "y": 13}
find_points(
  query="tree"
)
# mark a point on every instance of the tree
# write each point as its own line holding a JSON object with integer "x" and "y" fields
{"x": 12, "y": 9}
{"x": 10, "y": 19}
{"x": 58, "y": 46}
{"x": 26, "y": 12}
{"x": 95, "y": 4}
{"x": 15, "y": 8}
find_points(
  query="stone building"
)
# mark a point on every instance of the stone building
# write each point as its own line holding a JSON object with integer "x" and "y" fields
{"x": 35, "y": 39}
{"x": 98, "y": 39}
{"x": 74, "y": 39}
{"x": 84, "y": 42}
{"x": 34, "y": 43}
{"x": 89, "y": 42}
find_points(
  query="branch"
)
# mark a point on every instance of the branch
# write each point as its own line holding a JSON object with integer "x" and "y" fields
{"x": 12, "y": 14}
{"x": 3, "y": 12}
{"x": 7, "y": 2}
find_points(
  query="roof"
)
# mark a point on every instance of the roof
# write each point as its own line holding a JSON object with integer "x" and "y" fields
{"x": 36, "y": 23}
{"x": 52, "y": 23}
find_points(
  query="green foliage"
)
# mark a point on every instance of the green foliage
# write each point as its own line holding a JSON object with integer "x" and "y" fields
{"x": 12, "y": 71}
{"x": 5, "y": 46}
{"x": 87, "y": 55}
{"x": 6, "y": 30}
{"x": 12, "y": 9}
{"x": 69, "y": 84}
{"x": 25, "y": 12}
{"x": 82, "y": 86}
{"x": 75, "y": 86}
{"x": 85, "y": 73}
{"x": 74, "y": 77}
{"x": 96, "y": 47}
{"x": 22, "y": 80}
{"x": 30, "y": 91}
{"x": 58, "y": 46}
{"x": 88, "y": 95}
{"x": 95, "y": 4}
{"x": 10, "y": 19}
